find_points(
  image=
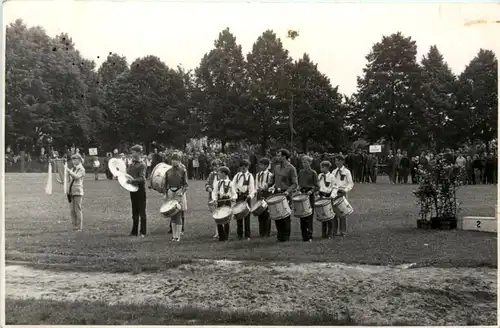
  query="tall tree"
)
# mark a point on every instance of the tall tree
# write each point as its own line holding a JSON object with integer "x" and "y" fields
{"x": 45, "y": 90}
{"x": 476, "y": 113}
{"x": 221, "y": 88}
{"x": 113, "y": 66}
{"x": 144, "y": 101}
{"x": 317, "y": 110}
{"x": 389, "y": 92}
{"x": 439, "y": 89}
{"x": 269, "y": 69}
{"x": 109, "y": 72}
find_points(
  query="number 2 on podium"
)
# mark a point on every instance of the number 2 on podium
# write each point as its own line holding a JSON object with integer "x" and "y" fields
{"x": 478, "y": 224}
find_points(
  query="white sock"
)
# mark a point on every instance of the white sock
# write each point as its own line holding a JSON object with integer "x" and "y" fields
{"x": 179, "y": 230}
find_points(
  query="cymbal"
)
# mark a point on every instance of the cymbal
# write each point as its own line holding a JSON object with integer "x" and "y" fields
{"x": 117, "y": 167}
{"x": 123, "y": 180}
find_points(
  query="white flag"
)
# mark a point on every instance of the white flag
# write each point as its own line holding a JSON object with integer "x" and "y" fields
{"x": 65, "y": 183}
{"x": 48, "y": 186}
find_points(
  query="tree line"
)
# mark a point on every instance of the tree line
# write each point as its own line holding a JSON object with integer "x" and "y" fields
{"x": 56, "y": 96}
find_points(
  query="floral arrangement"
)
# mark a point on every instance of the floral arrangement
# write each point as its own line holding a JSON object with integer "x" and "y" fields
{"x": 437, "y": 190}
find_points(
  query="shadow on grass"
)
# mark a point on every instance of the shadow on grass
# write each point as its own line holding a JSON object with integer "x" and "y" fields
{"x": 45, "y": 312}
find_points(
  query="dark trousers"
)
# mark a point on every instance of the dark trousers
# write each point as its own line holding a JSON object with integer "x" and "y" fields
{"x": 264, "y": 224}
{"x": 327, "y": 229}
{"x": 368, "y": 175}
{"x": 264, "y": 220}
{"x": 109, "y": 176}
{"x": 138, "y": 200}
{"x": 358, "y": 173}
{"x": 374, "y": 174}
{"x": 403, "y": 175}
{"x": 223, "y": 229}
{"x": 243, "y": 222}
{"x": 306, "y": 223}
{"x": 283, "y": 228}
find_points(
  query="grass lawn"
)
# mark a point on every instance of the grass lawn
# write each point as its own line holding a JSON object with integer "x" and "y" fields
{"x": 33, "y": 311}
{"x": 382, "y": 230}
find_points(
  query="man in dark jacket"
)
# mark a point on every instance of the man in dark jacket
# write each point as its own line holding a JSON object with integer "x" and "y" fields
{"x": 404, "y": 168}
{"x": 155, "y": 158}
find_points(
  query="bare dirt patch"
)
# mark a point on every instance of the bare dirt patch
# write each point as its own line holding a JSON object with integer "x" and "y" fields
{"x": 369, "y": 294}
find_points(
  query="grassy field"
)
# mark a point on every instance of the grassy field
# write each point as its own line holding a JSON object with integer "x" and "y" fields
{"x": 381, "y": 231}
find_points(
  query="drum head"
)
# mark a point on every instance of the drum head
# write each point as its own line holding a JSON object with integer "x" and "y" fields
{"x": 240, "y": 206}
{"x": 300, "y": 197}
{"x": 123, "y": 180}
{"x": 322, "y": 202}
{"x": 275, "y": 199}
{"x": 221, "y": 212}
{"x": 337, "y": 200}
{"x": 117, "y": 167}
{"x": 169, "y": 205}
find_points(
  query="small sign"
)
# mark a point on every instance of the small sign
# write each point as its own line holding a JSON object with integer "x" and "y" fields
{"x": 375, "y": 148}
{"x": 93, "y": 151}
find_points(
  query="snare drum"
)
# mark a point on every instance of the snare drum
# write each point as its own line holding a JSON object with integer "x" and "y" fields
{"x": 170, "y": 208}
{"x": 222, "y": 215}
{"x": 301, "y": 206}
{"x": 241, "y": 210}
{"x": 341, "y": 207}
{"x": 259, "y": 207}
{"x": 323, "y": 210}
{"x": 278, "y": 207}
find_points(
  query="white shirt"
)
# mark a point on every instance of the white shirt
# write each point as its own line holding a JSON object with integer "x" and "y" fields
{"x": 219, "y": 192}
{"x": 97, "y": 163}
{"x": 262, "y": 178}
{"x": 325, "y": 182}
{"x": 345, "y": 184}
{"x": 238, "y": 183}
{"x": 461, "y": 161}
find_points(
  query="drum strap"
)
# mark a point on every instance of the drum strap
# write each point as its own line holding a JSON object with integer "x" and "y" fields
{"x": 322, "y": 176}
{"x": 325, "y": 194}
{"x": 242, "y": 195}
{"x": 226, "y": 187}
{"x": 174, "y": 189}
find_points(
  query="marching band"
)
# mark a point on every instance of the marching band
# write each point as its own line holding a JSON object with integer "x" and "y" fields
{"x": 279, "y": 193}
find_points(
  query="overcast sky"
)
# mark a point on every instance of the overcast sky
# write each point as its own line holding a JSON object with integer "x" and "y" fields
{"x": 337, "y": 36}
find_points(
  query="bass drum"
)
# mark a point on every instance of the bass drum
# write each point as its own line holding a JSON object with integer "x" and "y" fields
{"x": 157, "y": 180}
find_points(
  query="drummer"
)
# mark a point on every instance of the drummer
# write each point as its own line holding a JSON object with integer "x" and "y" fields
{"x": 137, "y": 170}
{"x": 244, "y": 188}
{"x": 342, "y": 184}
{"x": 223, "y": 195}
{"x": 175, "y": 187}
{"x": 284, "y": 180}
{"x": 261, "y": 180}
{"x": 325, "y": 190}
{"x": 308, "y": 184}
{"x": 212, "y": 178}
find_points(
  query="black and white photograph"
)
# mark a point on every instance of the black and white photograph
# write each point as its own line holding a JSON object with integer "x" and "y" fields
{"x": 240, "y": 163}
